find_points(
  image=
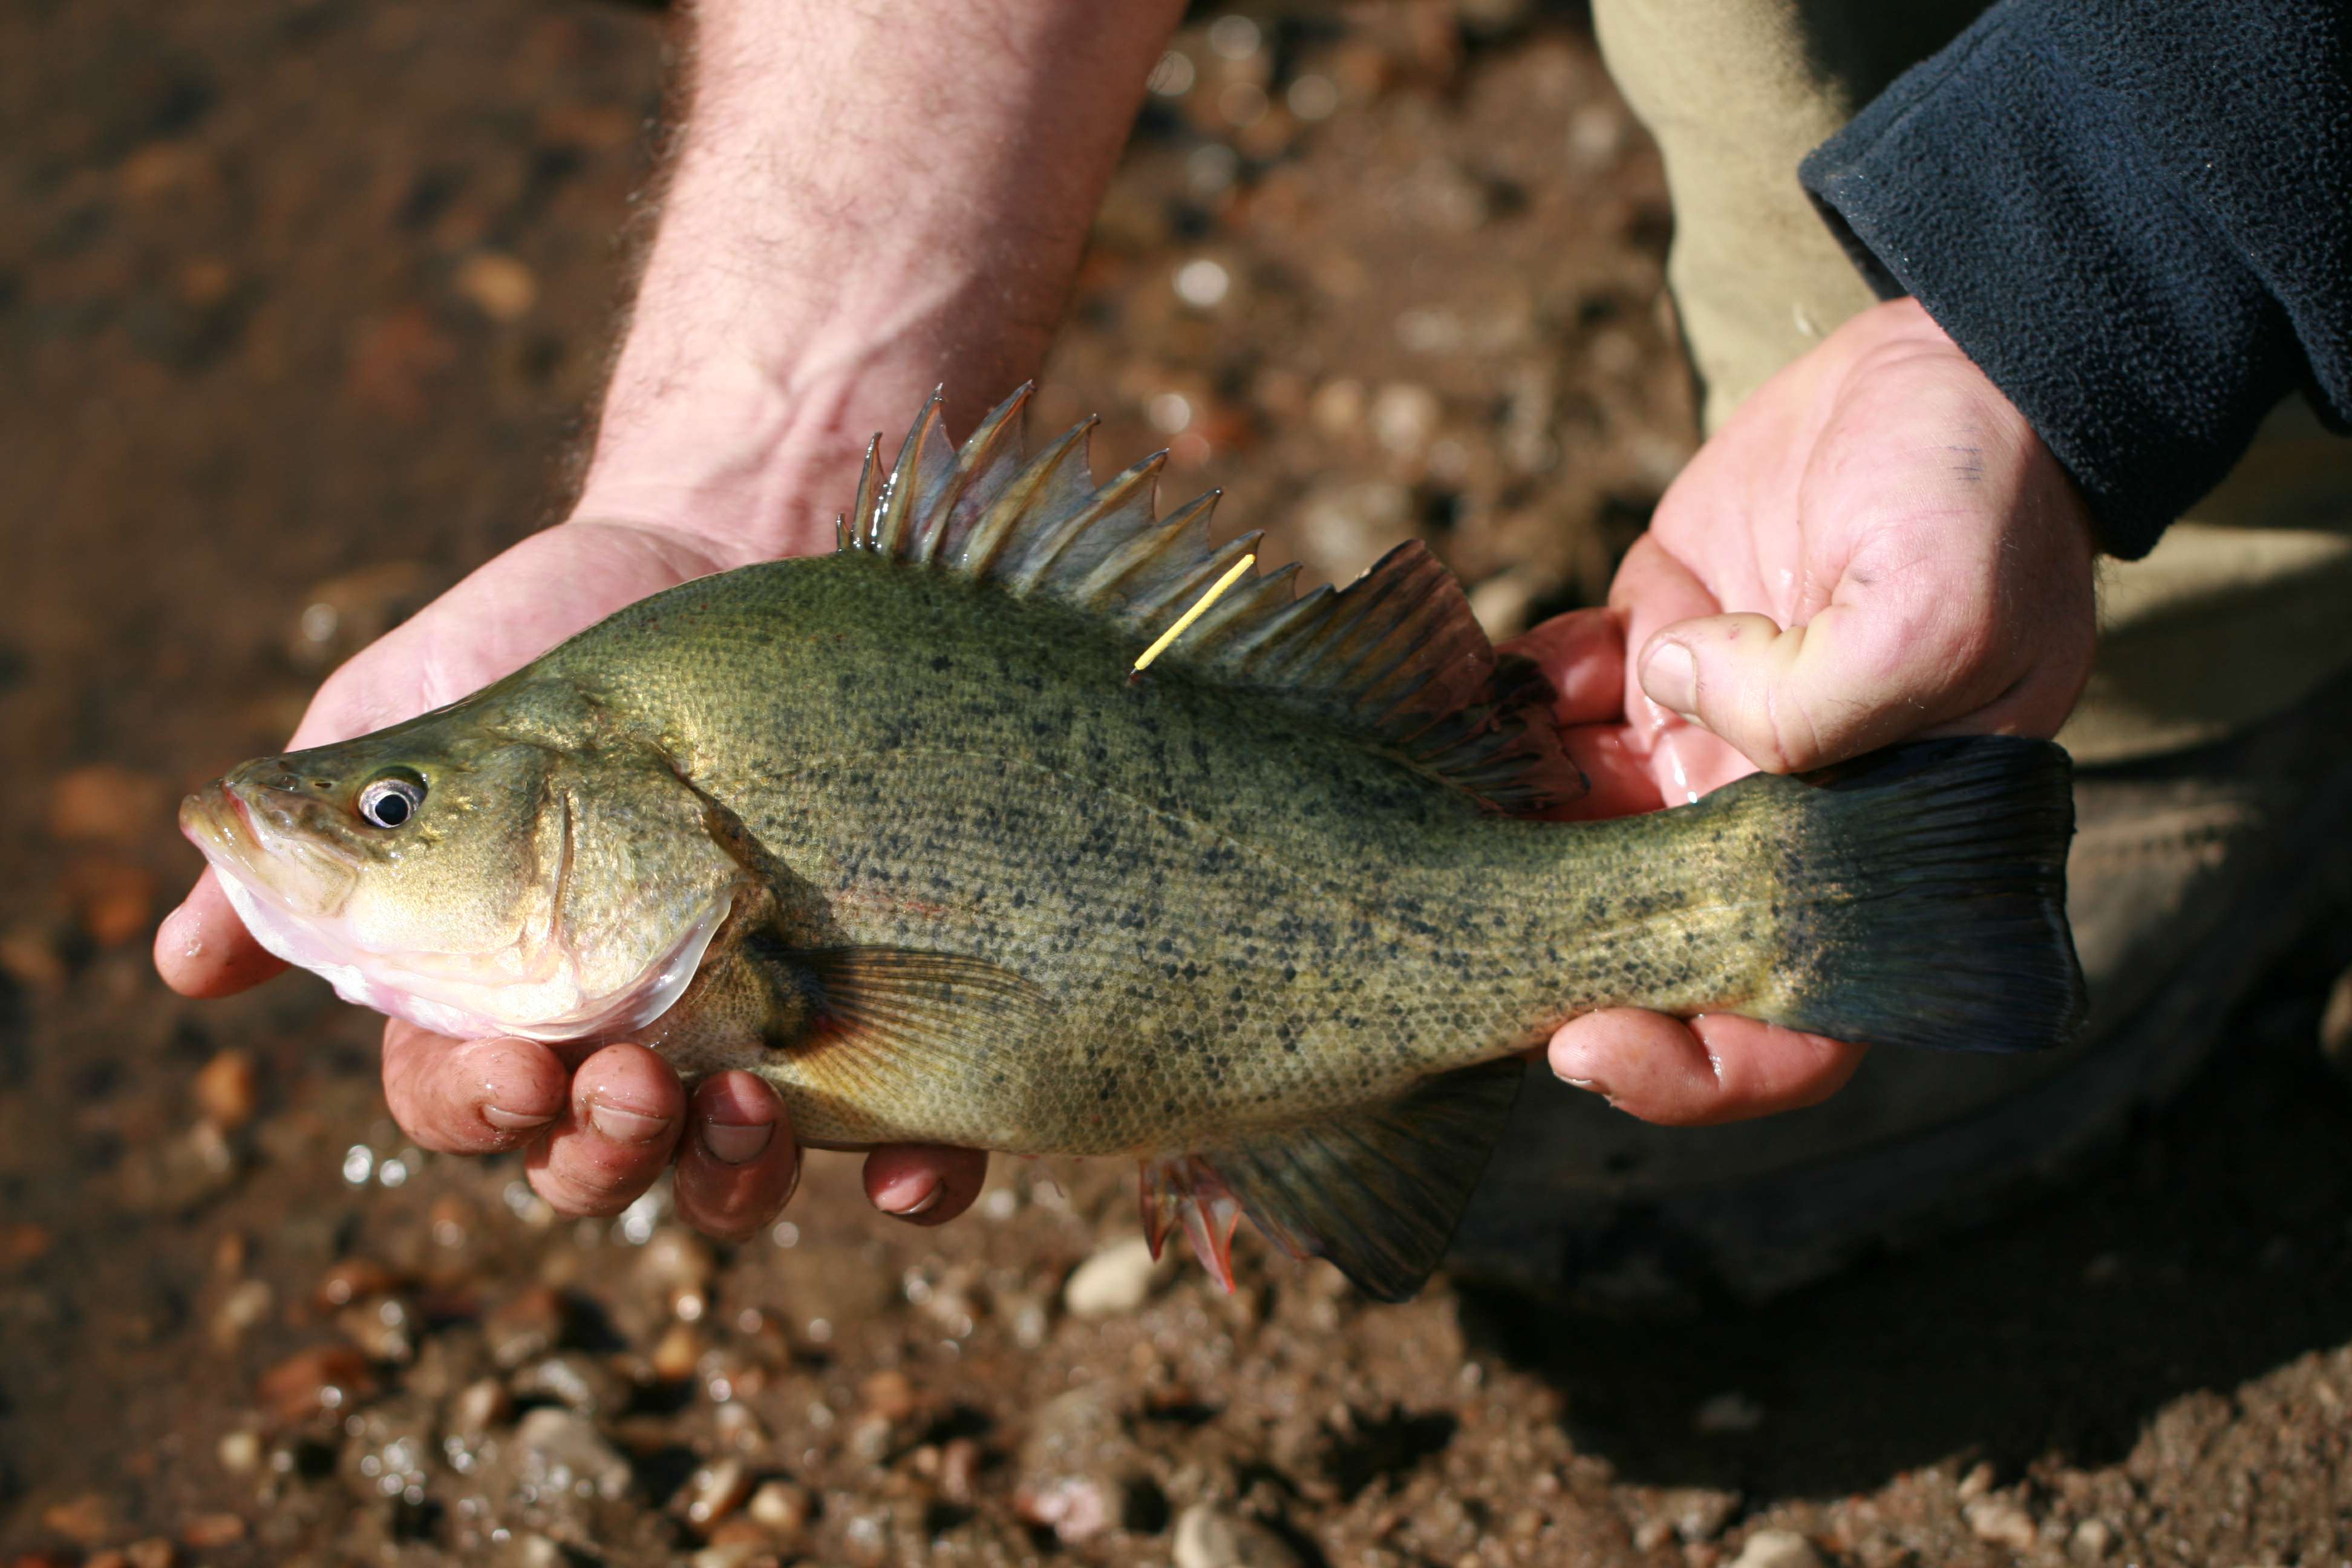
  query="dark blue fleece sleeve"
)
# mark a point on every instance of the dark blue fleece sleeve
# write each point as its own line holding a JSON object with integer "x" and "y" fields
{"x": 2134, "y": 215}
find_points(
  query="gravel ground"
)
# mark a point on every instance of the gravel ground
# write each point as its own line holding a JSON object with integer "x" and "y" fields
{"x": 299, "y": 305}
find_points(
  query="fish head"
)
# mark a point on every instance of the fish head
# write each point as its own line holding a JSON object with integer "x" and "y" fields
{"x": 475, "y": 880}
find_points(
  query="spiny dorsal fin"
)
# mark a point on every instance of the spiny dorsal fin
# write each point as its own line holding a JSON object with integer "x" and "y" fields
{"x": 1395, "y": 657}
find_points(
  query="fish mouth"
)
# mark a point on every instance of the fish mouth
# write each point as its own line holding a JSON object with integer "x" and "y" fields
{"x": 262, "y": 851}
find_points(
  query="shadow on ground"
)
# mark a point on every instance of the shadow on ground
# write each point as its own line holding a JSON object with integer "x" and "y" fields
{"x": 2207, "y": 1251}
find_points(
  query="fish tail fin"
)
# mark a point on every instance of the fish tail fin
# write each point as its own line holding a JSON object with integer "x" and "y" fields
{"x": 1377, "y": 1193}
{"x": 1923, "y": 897}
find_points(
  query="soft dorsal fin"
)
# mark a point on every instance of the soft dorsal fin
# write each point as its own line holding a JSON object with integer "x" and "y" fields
{"x": 1395, "y": 657}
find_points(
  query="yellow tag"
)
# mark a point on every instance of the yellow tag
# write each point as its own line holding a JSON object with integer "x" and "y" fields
{"x": 1200, "y": 607}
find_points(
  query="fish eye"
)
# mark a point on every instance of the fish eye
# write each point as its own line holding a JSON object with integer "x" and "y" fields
{"x": 392, "y": 800}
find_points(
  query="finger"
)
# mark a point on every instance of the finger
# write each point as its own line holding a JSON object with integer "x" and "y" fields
{"x": 201, "y": 949}
{"x": 614, "y": 1136}
{"x": 923, "y": 1182}
{"x": 738, "y": 1162}
{"x": 1653, "y": 590}
{"x": 1621, "y": 779}
{"x": 1716, "y": 1068}
{"x": 470, "y": 1097}
{"x": 1859, "y": 675}
{"x": 1582, "y": 654}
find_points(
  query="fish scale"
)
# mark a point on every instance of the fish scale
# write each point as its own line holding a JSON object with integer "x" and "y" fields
{"x": 903, "y": 831}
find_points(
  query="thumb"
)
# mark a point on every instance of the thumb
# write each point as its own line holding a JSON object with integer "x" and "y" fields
{"x": 1805, "y": 696}
{"x": 201, "y": 949}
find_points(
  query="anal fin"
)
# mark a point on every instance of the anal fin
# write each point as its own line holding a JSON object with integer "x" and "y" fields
{"x": 1183, "y": 1190}
{"x": 1377, "y": 1193}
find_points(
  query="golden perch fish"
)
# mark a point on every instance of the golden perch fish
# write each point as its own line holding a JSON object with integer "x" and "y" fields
{"x": 901, "y": 830}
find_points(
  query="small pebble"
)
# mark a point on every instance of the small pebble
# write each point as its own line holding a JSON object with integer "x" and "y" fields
{"x": 343, "y": 615}
{"x": 246, "y": 1303}
{"x": 1211, "y": 1537}
{"x": 867, "y": 1539}
{"x": 179, "y": 1174}
{"x": 1075, "y": 1508}
{"x": 210, "y": 1531}
{"x": 2092, "y": 1541}
{"x": 527, "y": 1326}
{"x": 736, "y": 1551}
{"x": 113, "y": 899}
{"x": 890, "y": 1394}
{"x": 1777, "y": 1549}
{"x": 1116, "y": 1280}
{"x": 503, "y": 287}
{"x": 1728, "y": 1415}
{"x": 870, "y": 1439}
{"x": 532, "y": 1550}
{"x": 1699, "y": 1513}
{"x": 960, "y": 1471}
{"x": 582, "y": 1382}
{"x": 561, "y": 1447}
{"x": 241, "y": 1453}
{"x": 716, "y": 1491}
{"x": 83, "y": 1520}
{"x": 31, "y": 954}
{"x": 675, "y": 1354}
{"x": 479, "y": 1405}
{"x": 1501, "y": 602}
{"x": 226, "y": 1090}
{"x": 1341, "y": 526}
{"x": 1335, "y": 409}
{"x": 323, "y": 1378}
{"x": 782, "y": 1508}
{"x": 738, "y": 1428}
{"x": 350, "y": 1279}
{"x": 106, "y": 805}
{"x": 1404, "y": 417}
{"x": 382, "y": 1327}
{"x": 1203, "y": 283}
{"x": 680, "y": 1265}
{"x": 2003, "y": 1523}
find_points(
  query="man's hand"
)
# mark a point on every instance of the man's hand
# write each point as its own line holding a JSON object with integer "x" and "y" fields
{"x": 1876, "y": 547}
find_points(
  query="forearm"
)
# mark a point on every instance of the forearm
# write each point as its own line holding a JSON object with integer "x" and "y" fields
{"x": 868, "y": 201}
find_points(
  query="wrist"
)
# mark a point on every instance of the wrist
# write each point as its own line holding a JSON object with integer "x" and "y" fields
{"x": 749, "y": 464}
{"x": 867, "y": 202}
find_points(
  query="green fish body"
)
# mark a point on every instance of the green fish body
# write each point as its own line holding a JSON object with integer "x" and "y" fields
{"x": 902, "y": 831}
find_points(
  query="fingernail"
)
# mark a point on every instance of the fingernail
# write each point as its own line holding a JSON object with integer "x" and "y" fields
{"x": 925, "y": 1201}
{"x": 737, "y": 1142}
{"x": 1568, "y": 1065}
{"x": 1671, "y": 679}
{"x": 506, "y": 1120}
{"x": 624, "y": 1126}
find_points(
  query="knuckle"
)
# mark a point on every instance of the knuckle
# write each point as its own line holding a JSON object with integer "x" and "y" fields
{"x": 587, "y": 1188}
{"x": 1790, "y": 739}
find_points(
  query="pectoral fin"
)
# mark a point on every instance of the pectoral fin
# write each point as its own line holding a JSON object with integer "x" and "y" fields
{"x": 1377, "y": 1193}
{"x": 916, "y": 1011}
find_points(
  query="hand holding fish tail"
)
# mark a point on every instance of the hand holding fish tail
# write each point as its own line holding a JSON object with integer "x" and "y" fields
{"x": 1876, "y": 547}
